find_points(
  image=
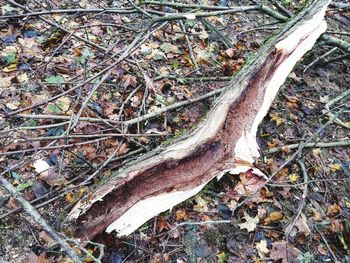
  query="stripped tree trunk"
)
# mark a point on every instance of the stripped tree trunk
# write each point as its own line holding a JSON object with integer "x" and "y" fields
{"x": 224, "y": 142}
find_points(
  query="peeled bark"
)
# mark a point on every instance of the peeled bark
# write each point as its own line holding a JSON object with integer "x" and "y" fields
{"x": 224, "y": 142}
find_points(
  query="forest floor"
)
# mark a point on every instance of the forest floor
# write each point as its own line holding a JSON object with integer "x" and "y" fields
{"x": 303, "y": 215}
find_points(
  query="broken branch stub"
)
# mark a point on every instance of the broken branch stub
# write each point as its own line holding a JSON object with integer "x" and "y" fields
{"x": 224, "y": 142}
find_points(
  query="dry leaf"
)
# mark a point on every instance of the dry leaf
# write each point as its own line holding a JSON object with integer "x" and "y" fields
{"x": 277, "y": 118}
{"x": 46, "y": 239}
{"x": 149, "y": 84}
{"x": 181, "y": 215}
{"x": 281, "y": 250}
{"x": 41, "y": 166}
{"x": 250, "y": 224}
{"x": 201, "y": 205}
{"x": 293, "y": 177}
{"x": 333, "y": 209}
{"x": 128, "y": 80}
{"x": 300, "y": 226}
{"x": 53, "y": 177}
{"x": 273, "y": 217}
{"x": 316, "y": 216}
{"x": 262, "y": 248}
{"x": 335, "y": 167}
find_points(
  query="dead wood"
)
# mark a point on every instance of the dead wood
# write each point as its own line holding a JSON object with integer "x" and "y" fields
{"x": 223, "y": 142}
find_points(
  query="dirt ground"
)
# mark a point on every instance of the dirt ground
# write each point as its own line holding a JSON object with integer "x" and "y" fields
{"x": 39, "y": 61}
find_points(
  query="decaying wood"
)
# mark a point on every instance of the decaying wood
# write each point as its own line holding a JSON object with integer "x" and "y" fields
{"x": 223, "y": 142}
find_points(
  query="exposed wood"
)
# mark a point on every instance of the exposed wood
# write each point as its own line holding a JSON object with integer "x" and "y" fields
{"x": 224, "y": 142}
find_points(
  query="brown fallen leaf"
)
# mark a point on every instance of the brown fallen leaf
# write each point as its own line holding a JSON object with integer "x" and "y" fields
{"x": 181, "y": 215}
{"x": 34, "y": 258}
{"x": 333, "y": 210}
{"x": 149, "y": 84}
{"x": 316, "y": 216}
{"x": 300, "y": 226}
{"x": 283, "y": 251}
{"x": 273, "y": 217}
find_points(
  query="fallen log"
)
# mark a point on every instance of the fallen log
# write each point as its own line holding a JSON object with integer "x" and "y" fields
{"x": 224, "y": 142}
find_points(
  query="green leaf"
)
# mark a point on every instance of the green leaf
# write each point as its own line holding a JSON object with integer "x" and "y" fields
{"x": 55, "y": 79}
{"x": 166, "y": 47}
{"x": 25, "y": 185}
{"x": 52, "y": 107}
{"x": 287, "y": 2}
{"x": 15, "y": 175}
{"x": 10, "y": 58}
{"x": 33, "y": 123}
{"x": 7, "y": 9}
{"x": 175, "y": 64}
{"x": 86, "y": 54}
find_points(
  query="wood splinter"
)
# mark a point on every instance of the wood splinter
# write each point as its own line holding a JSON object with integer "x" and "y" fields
{"x": 224, "y": 142}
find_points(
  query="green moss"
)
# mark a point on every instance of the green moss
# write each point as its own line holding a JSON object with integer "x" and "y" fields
{"x": 176, "y": 136}
{"x": 214, "y": 237}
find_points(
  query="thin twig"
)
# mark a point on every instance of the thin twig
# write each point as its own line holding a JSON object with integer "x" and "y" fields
{"x": 290, "y": 226}
{"x": 52, "y": 147}
{"x": 309, "y": 181}
{"x": 179, "y": 16}
{"x": 172, "y": 107}
{"x": 80, "y": 136}
{"x": 109, "y": 159}
{"x": 72, "y": 11}
{"x": 227, "y": 43}
{"x": 338, "y": 33}
{"x": 34, "y": 214}
{"x": 128, "y": 122}
{"x": 326, "y": 243}
{"x": 308, "y": 145}
{"x": 189, "y": 46}
{"x": 320, "y": 58}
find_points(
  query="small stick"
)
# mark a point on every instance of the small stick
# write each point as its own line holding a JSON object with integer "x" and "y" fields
{"x": 227, "y": 43}
{"x": 320, "y": 58}
{"x": 338, "y": 98}
{"x": 172, "y": 107}
{"x": 205, "y": 14}
{"x": 128, "y": 122}
{"x": 309, "y": 145}
{"x": 126, "y": 100}
{"x": 45, "y": 148}
{"x": 210, "y": 222}
{"x": 73, "y": 11}
{"x": 332, "y": 102}
{"x": 36, "y": 127}
{"x": 259, "y": 28}
{"x": 326, "y": 243}
{"x": 289, "y": 228}
{"x": 34, "y": 214}
{"x": 140, "y": 9}
{"x": 310, "y": 181}
{"x": 338, "y": 32}
{"x": 189, "y": 47}
{"x": 109, "y": 159}
{"x": 182, "y": 6}
{"x": 77, "y": 136}
{"x": 282, "y": 8}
